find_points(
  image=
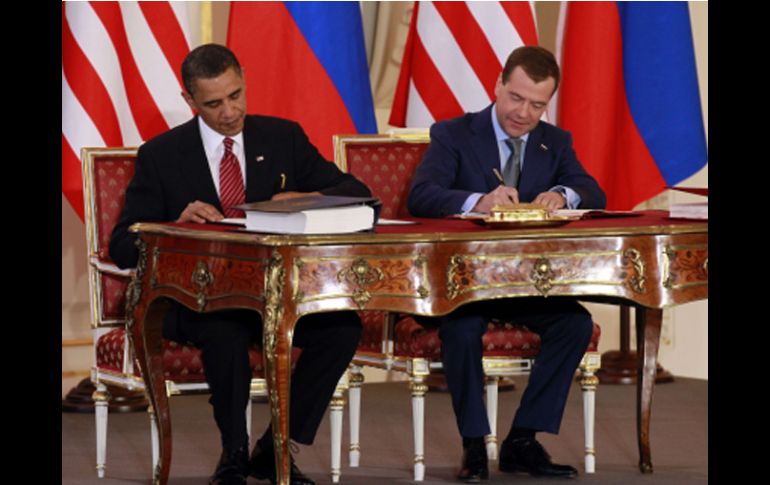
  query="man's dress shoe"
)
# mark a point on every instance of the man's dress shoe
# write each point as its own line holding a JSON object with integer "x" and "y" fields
{"x": 262, "y": 466}
{"x": 527, "y": 455}
{"x": 474, "y": 467}
{"x": 232, "y": 468}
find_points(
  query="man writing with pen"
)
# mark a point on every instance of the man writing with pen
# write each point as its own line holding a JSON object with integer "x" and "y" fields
{"x": 505, "y": 155}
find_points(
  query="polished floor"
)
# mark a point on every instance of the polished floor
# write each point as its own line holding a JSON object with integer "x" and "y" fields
{"x": 679, "y": 437}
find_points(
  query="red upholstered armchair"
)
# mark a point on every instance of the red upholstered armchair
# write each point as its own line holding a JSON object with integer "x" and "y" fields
{"x": 386, "y": 164}
{"x": 106, "y": 174}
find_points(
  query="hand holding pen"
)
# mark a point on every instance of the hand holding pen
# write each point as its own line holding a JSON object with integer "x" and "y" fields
{"x": 502, "y": 195}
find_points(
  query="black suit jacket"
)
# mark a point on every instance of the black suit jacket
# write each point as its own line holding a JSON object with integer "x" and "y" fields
{"x": 462, "y": 157}
{"x": 172, "y": 171}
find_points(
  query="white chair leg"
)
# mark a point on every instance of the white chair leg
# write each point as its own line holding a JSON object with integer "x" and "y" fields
{"x": 248, "y": 421}
{"x": 155, "y": 442}
{"x": 491, "y": 439}
{"x": 418, "y": 388}
{"x": 101, "y": 399}
{"x": 335, "y": 419}
{"x": 354, "y": 395}
{"x": 588, "y": 382}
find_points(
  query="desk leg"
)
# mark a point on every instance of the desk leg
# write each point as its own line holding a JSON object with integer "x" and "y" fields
{"x": 276, "y": 346}
{"x": 648, "y": 324}
{"x": 147, "y": 339}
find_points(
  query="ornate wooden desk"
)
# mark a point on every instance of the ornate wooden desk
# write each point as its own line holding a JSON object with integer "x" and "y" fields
{"x": 430, "y": 268}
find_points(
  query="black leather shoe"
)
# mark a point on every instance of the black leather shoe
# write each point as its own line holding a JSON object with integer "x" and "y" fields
{"x": 474, "y": 467}
{"x": 232, "y": 468}
{"x": 528, "y": 455}
{"x": 262, "y": 466}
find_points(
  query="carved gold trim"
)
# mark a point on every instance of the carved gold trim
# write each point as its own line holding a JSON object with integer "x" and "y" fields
{"x": 202, "y": 276}
{"x": 418, "y": 389}
{"x": 244, "y": 237}
{"x": 542, "y": 275}
{"x": 362, "y": 273}
{"x": 669, "y": 255}
{"x": 274, "y": 281}
{"x": 134, "y": 289}
{"x": 636, "y": 283}
{"x": 356, "y": 380}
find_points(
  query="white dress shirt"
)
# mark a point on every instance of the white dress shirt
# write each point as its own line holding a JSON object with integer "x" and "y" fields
{"x": 214, "y": 146}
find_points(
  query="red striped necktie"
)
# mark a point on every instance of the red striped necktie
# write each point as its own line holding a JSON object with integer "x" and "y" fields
{"x": 231, "y": 190}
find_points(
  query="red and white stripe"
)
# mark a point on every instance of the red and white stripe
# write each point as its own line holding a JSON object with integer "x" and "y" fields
{"x": 454, "y": 54}
{"x": 120, "y": 78}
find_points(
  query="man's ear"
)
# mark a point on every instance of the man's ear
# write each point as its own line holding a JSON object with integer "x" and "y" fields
{"x": 189, "y": 100}
{"x": 499, "y": 85}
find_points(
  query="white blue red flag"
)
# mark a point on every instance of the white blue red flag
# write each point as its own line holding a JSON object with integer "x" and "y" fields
{"x": 629, "y": 95}
{"x": 454, "y": 53}
{"x": 305, "y": 61}
{"x": 120, "y": 78}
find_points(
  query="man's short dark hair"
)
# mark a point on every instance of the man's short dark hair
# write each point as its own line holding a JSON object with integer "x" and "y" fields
{"x": 537, "y": 62}
{"x": 205, "y": 62}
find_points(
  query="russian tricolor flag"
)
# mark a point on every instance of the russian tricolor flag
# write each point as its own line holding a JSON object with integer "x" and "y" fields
{"x": 629, "y": 95}
{"x": 305, "y": 61}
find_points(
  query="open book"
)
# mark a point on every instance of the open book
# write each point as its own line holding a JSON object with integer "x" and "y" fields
{"x": 313, "y": 214}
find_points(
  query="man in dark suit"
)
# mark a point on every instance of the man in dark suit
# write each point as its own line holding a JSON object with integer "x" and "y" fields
{"x": 461, "y": 172}
{"x": 192, "y": 173}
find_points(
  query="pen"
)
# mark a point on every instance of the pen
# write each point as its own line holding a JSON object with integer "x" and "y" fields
{"x": 499, "y": 177}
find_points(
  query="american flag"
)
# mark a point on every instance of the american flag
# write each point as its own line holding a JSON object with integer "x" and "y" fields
{"x": 454, "y": 53}
{"x": 120, "y": 78}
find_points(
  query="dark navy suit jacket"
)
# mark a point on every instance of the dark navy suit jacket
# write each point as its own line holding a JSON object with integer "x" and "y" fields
{"x": 172, "y": 171}
{"x": 463, "y": 153}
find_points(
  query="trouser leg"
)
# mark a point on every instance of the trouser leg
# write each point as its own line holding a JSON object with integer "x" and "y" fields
{"x": 224, "y": 339}
{"x": 328, "y": 342}
{"x": 565, "y": 329}
{"x": 461, "y": 356}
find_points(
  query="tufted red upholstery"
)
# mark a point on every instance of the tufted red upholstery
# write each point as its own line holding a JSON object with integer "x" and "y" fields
{"x": 111, "y": 176}
{"x": 181, "y": 363}
{"x": 500, "y": 340}
{"x": 371, "y": 336}
{"x": 387, "y": 169}
{"x": 113, "y": 297}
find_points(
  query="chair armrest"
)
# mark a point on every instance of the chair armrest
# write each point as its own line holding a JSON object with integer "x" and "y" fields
{"x": 110, "y": 268}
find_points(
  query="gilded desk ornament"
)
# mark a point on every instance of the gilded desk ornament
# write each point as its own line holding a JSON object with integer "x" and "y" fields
{"x": 680, "y": 263}
{"x": 134, "y": 290}
{"x": 202, "y": 277}
{"x": 542, "y": 275}
{"x": 274, "y": 281}
{"x": 362, "y": 274}
{"x": 452, "y": 288}
{"x": 637, "y": 283}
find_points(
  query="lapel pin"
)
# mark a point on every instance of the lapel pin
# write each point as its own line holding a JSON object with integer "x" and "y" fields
{"x": 260, "y": 158}
{"x": 543, "y": 147}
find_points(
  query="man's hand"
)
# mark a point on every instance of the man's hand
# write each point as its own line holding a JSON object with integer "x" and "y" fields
{"x": 200, "y": 212}
{"x": 551, "y": 200}
{"x": 502, "y": 195}
{"x": 292, "y": 195}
